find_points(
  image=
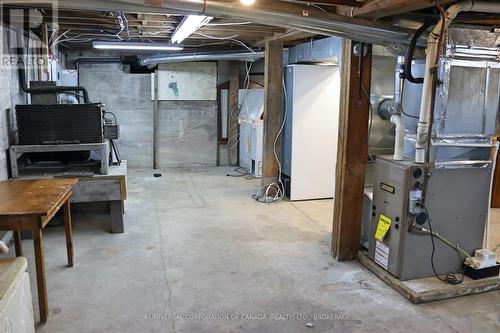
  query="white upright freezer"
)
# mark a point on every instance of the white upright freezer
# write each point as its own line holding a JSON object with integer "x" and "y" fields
{"x": 311, "y": 131}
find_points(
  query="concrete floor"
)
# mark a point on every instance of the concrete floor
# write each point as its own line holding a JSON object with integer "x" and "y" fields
{"x": 196, "y": 244}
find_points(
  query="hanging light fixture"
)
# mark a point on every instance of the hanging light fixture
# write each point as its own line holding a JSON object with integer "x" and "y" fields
{"x": 188, "y": 26}
{"x": 136, "y": 46}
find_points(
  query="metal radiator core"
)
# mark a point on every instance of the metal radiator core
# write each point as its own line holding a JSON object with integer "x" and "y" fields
{"x": 59, "y": 123}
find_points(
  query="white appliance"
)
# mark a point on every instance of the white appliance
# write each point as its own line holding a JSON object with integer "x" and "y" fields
{"x": 16, "y": 308}
{"x": 251, "y": 136}
{"x": 311, "y": 131}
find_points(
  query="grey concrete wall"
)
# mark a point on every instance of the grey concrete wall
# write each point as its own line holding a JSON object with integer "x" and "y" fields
{"x": 129, "y": 97}
{"x": 9, "y": 97}
{"x": 187, "y": 129}
{"x": 187, "y": 133}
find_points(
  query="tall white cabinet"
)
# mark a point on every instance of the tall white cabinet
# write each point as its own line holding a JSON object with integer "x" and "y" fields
{"x": 311, "y": 130}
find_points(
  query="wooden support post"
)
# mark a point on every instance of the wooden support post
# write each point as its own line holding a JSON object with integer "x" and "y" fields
{"x": 352, "y": 152}
{"x": 273, "y": 110}
{"x": 232, "y": 117}
{"x": 156, "y": 122}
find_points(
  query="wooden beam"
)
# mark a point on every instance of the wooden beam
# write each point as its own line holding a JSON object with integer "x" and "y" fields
{"x": 273, "y": 110}
{"x": 232, "y": 117}
{"x": 352, "y": 152}
{"x": 350, "y": 3}
{"x": 383, "y": 8}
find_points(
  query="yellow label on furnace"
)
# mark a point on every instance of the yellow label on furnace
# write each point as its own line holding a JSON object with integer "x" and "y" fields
{"x": 384, "y": 223}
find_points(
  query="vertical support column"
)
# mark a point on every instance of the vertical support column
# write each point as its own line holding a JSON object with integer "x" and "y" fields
{"x": 352, "y": 152}
{"x": 273, "y": 110}
{"x": 156, "y": 121}
{"x": 232, "y": 116}
{"x": 69, "y": 231}
{"x": 45, "y": 53}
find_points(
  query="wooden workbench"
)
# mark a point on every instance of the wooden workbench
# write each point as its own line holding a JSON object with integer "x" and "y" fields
{"x": 30, "y": 205}
{"x": 110, "y": 188}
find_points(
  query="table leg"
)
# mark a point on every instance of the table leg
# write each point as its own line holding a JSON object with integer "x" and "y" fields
{"x": 40, "y": 275}
{"x": 116, "y": 214}
{"x": 17, "y": 243}
{"x": 69, "y": 232}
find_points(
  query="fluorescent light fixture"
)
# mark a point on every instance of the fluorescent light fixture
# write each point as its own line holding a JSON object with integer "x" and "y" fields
{"x": 189, "y": 24}
{"x": 137, "y": 46}
{"x": 247, "y": 2}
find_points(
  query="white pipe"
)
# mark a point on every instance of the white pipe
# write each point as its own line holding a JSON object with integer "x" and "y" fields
{"x": 431, "y": 66}
{"x": 69, "y": 99}
{"x": 488, "y": 219}
{"x": 399, "y": 139}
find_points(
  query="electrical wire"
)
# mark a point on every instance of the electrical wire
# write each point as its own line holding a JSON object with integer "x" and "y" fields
{"x": 231, "y": 38}
{"x": 246, "y": 86}
{"x": 263, "y": 194}
{"x": 450, "y": 277}
{"x": 240, "y": 172}
{"x": 228, "y": 23}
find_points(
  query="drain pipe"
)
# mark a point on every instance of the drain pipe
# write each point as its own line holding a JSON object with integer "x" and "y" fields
{"x": 431, "y": 67}
{"x": 199, "y": 56}
{"x": 399, "y": 138}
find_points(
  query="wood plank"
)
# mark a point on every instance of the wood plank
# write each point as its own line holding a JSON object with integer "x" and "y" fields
{"x": 33, "y": 197}
{"x": 430, "y": 289}
{"x": 352, "y": 152}
{"x": 92, "y": 190}
{"x": 232, "y": 117}
{"x": 383, "y": 8}
{"x": 273, "y": 110}
{"x": 17, "y": 222}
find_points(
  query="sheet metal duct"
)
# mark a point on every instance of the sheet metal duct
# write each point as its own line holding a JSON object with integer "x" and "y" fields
{"x": 200, "y": 56}
{"x": 288, "y": 16}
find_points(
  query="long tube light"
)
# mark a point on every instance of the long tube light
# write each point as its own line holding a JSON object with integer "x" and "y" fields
{"x": 189, "y": 25}
{"x": 137, "y": 46}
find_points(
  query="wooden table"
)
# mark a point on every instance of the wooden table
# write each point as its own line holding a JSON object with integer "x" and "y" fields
{"x": 30, "y": 205}
{"x": 110, "y": 189}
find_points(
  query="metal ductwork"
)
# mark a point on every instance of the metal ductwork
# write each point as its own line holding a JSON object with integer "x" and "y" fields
{"x": 199, "y": 56}
{"x": 288, "y": 16}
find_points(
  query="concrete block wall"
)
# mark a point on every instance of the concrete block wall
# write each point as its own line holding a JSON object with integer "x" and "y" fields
{"x": 129, "y": 97}
{"x": 187, "y": 129}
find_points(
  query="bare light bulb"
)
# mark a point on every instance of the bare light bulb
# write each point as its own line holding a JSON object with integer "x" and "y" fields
{"x": 247, "y": 2}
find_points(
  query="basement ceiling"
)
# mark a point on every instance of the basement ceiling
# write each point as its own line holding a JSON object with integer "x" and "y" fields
{"x": 77, "y": 28}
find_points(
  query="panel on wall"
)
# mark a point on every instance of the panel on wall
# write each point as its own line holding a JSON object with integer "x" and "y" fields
{"x": 188, "y": 81}
{"x": 187, "y": 133}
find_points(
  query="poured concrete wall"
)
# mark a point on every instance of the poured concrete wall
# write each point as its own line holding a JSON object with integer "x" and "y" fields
{"x": 9, "y": 97}
{"x": 187, "y": 129}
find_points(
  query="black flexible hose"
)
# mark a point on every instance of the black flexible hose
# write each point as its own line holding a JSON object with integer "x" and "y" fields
{"x": 43, "y": 90}
{"x": 46, "y": 90}
{"x": 411, "y": 49}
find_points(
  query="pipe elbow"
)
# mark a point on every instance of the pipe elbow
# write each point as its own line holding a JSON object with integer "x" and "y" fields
{"x": 398, "y": 122}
